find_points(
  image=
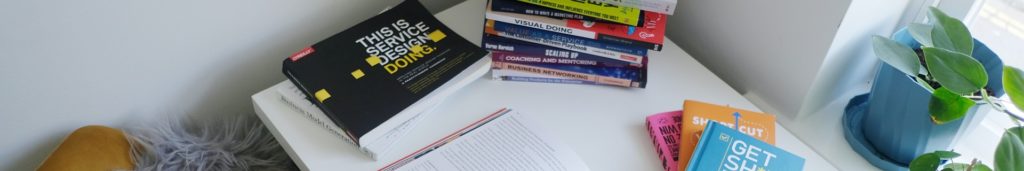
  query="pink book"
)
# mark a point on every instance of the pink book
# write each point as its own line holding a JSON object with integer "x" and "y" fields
{"x": 664, "y": 129}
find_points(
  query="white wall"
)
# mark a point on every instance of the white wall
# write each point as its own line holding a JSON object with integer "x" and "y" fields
{"x": 770, "y": 51}
{"x": 851, "y": 63}
{"x": 67, "y": 64}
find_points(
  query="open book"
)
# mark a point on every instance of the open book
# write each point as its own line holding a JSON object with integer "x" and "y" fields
{"x": 504, "y": 140}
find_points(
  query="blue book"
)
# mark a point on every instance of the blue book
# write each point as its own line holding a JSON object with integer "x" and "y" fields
{"x": 723, "y": 148}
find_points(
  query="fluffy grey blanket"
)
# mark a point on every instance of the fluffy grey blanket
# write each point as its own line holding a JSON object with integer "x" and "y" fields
{"x": 239, "y": 142}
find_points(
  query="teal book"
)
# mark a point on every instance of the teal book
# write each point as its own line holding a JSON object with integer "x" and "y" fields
{"x": 723, "y": 148}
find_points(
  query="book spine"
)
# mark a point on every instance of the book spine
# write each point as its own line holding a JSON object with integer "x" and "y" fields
{"x": 511, "y": 30}
{"x": 530, "y": 9}
{"x": 568, "y": 46}
{"x": 664, "y": 130}
{"x": 659, "y": 6}
{"x": 503, "y": 56}
{"x": 700, "y": 149}
{"x": 563, "y": 29}
{"x": 556, "y": 73}
{"x": 526, "y": 77}
{"x": 498, "y": 43}
{"x": 618, "y": 14}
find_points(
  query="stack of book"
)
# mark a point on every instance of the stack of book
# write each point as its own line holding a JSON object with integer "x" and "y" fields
{"x": 573, "y": 41}
{"x": 705, "y": 136}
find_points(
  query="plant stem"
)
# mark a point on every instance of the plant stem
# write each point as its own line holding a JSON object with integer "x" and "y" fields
{"x": 999, "y": 107}
{"x": 973, "y": 162}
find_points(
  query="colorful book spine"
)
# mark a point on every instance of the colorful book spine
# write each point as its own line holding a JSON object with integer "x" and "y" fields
{"x": 724, "y": 148}
{"x": 697, "y": 115}
{"x": 489, "y": 29}
{"x": 649, "y": 34}
{"x": 659, "y": 6}
{"x": 664, "y": 128}
{"x": 502, "y": 56}
{"x": 514, "y": 6}
{"x": 498, "y": 43}
{"x": 605, "y": 11}
{"x": 617, "y": 77}
{"x": 513, "y": 30}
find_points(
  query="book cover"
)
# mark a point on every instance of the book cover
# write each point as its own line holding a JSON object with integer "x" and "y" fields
{"x": 724, "y": 148}
{"x": 374, "y": 74}
{"x": 514, "y": 6}
{"x": 511, "y": 30}
{"x": 697, "y": 114}
{"x": 664, "y": 129}
{"x": 498, "y": 43}
{"x": 596, "y": 9}
{"x": 659, "y": 6}
{"x": 648, "y": 34}
{"x": 602, "y": 76}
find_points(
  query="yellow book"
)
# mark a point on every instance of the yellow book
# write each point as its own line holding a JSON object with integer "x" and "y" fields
{"x": 619, "y": 14}
{"x": 696, "y": 116}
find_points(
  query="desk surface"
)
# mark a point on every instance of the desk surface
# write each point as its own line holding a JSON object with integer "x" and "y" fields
{"x": 603, "y": 124}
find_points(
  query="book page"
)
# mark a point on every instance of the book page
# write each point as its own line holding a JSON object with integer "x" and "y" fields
{"x": 508, "y": 142}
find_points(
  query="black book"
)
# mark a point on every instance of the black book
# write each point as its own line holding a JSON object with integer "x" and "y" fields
{"x": 374, "y": 76}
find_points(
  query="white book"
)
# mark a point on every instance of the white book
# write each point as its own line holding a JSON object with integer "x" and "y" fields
{"x": 505, "y": 140}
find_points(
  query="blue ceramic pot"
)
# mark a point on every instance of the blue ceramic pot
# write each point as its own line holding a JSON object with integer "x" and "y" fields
{"x": 897, "y": 123}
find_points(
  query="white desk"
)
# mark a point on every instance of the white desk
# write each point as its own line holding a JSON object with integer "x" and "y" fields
{"x": 604, "y": 125}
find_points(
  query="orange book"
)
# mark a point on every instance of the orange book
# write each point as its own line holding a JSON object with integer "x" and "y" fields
{"x": 696, "y": 115}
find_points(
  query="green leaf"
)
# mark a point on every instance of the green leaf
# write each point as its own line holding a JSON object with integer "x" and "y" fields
{"x": 946, "y": 106}
{"x": 1010, "y": 151}
{"x": 946, "y": 154}
{"x": 981, "y": 167}
{"x": 925, "y": 162}
{"x": 897, "y": 55}
{"x": 922, "y": 33}
{"x": 956, "y": 166}
{"x": 950, "y": 33}
{"x": 1013, "y": 83}
{"x": 956, "y": 71}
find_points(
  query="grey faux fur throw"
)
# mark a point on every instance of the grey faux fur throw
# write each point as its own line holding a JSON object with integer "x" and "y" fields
{"x": 238, "y": 142}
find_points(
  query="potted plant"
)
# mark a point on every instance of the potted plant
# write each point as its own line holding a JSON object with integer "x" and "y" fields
{"x": 934, "y": 80}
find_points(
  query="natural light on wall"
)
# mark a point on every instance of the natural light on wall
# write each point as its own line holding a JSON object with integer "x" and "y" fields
{"x": 1000, "y": 25}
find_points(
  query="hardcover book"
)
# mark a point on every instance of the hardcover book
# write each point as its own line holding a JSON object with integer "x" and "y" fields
{"x": 649, "y": 34}
{"x": 596, "y": 9}
{"x": 380, "y": 73}
{"x": 697, "y": 114}
{"x": 664, "y": 128}
{"x": 724, "y": 148}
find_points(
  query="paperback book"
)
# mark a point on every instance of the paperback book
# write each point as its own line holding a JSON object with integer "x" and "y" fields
{"x": 622, "y": 77}
{"x": 648, "y": 34}
{"x": 514, "y": 6}
{"x": 660, "y": 6}
{"x": 498, "y": 43}
{"x": 560, "y": 40}
{"x": 664, "y": 129}
{"x": 504, "y": 140}
{"x": 697, "y": 115}
{"x": 375, "y": 76}
{"x": 724, "y": 148}
{"x": 596, "y": 9}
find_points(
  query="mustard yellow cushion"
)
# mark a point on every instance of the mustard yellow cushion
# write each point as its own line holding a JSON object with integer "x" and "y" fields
{"x": 91, "y": 148}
